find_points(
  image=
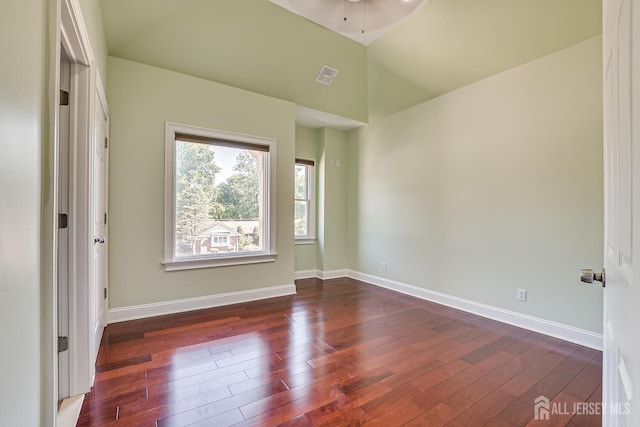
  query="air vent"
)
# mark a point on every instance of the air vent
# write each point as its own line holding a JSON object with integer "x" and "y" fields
{"x": 326, "y": 75}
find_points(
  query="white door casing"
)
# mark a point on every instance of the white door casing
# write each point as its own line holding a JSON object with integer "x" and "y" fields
{"x": 62, "y": 196}
{"x": 87, "y": 121}
{"x": 621, "y": 107}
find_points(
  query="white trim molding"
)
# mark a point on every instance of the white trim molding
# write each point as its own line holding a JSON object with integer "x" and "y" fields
{"x": 332, "y": 274}
{"x": 536, "y": 324}
{"x": 319, "y": 274}
{"x": 122, "y": 314}
{"x": 305, "y": 274}
{"x": 73, "y": 33}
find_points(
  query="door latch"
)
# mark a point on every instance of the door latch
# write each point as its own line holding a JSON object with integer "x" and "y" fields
{"x": 587, "y": 275}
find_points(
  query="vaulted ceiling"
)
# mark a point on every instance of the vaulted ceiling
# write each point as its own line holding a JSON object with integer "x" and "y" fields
{"x": 259, "y": 46}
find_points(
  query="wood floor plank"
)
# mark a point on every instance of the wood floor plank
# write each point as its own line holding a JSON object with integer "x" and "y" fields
{"x": 293, "y": 408}
{"x": 526, "y": 379}
{"x": 398, "y": 416}
{"x": 436, "y": 376}
{"x": 517, "y": 414}
{"x": 591, "y": 416}
{"x": 375, "y": 408}
{"x": 338, "y": 412}
{"x": 484, "y": 410}
{"x": 583, "y": 385}
{"x": 341, "y": 353}
{"x": 576, "y": 361}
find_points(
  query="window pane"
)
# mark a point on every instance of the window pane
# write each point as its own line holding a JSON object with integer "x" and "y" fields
{"x": 301, "y": 182}
{"x": 218, "y": 199}
{"x": 301, "y": 215}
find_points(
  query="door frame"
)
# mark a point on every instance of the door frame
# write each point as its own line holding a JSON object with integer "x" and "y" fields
{"x": 68, "y": 31}
{"x": 75, "y": 39}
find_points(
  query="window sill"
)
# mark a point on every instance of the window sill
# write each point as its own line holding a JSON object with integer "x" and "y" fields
{"x": 305, "y": 240}
{"x": 191, "y": 264}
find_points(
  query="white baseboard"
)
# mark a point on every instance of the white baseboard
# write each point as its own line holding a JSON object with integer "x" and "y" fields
{"x": 324, "y": 275}
{"x": 557, "y": 330}
{"x": 305, "y": 274}
{"x": 122, "y": 314}
{"x": 333, "y": 274}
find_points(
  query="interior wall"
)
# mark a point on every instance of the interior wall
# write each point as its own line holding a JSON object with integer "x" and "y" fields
{"x": 306, "y": 148}
{"x": 490, "y": 188}
{"x": 141, "y": 99}
{"x": 92, "y": 15}
{"x": 333, "y": 164}
{"x": 329, "y": 148}
{"x": 22, "y": 35}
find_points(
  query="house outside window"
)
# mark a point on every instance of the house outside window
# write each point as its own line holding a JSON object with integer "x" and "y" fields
{"x": 218, "y": 204}
{"x": 304, "y": 216}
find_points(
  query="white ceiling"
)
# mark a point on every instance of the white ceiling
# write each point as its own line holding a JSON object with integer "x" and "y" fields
{"x": 364, "y": 21}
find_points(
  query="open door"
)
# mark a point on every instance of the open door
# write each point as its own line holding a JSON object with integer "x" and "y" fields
{"x": 99, "y": 191}
{"x": 621, "y": 68}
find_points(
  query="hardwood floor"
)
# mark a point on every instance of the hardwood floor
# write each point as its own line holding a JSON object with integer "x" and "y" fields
{"x": 340, "y": 352}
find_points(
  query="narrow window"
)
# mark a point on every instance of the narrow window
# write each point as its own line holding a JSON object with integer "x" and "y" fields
{"x": 304, "y": 217}
{"x": 218, "y": 198}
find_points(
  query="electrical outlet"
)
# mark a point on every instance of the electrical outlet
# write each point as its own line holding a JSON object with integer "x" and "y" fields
{"x": 522, "y": 294}
{"x": 337, "y": 163}
{"x": 384, "y": 266}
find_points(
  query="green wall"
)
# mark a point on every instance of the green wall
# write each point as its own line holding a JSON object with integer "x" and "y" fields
{"x": 141, "y": 98}
{"x": 492, "y": 187}
{"x": 333, "y": 165}
{"x": 22, "y": 131}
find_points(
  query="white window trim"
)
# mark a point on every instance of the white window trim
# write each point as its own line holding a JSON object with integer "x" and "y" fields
{"x": 310, "y": 238}
{"x": 305, "y": 240}
{"x": 268, "y": 254}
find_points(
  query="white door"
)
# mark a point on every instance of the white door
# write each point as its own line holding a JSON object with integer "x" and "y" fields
{"x": 62, "y": 251}
{"x": 98, "y": 294}
{"x": 621, "y": 66}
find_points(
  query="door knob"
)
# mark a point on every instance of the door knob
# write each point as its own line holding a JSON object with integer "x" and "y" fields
{"x": 587, "y": 275}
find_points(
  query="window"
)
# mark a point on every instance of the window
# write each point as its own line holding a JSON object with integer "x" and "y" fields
{"x": 304, "y": 218}
{"x": 220, "y": 240}
{"x": 218, "y": 204}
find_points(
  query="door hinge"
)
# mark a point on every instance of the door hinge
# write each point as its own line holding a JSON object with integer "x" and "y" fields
{"x": 64, "y": 97}
{"x": 63, "y": 220}
{"x": 105, "y": 293}
{"x": 106, "y": 143}
{"x": 63, "y": 344}
{"x": 105, "y": 218}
